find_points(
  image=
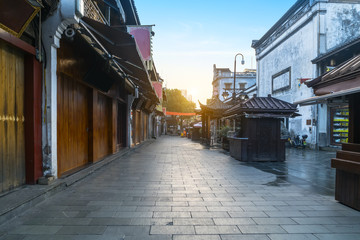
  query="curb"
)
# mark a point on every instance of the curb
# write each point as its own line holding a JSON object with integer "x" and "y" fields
{"x": 23, "y": 198}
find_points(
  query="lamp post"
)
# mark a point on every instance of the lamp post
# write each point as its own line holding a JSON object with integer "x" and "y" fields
{"x": 242, "y": 62}
{"x": 225, "y": 95}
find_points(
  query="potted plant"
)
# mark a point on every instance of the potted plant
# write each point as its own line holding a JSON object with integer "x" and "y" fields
{"x": 224, "y": 139}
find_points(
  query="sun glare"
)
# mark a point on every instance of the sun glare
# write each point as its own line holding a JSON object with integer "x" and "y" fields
{"x": 193, "y": 92}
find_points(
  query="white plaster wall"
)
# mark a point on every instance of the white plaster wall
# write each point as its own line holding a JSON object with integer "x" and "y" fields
{"x": 53, "y": 29}
{"x": 323, "y": 114}
{"x": 342, "y": 23}
{"x": 295, "y": 52}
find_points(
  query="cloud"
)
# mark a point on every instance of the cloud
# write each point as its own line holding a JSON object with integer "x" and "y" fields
{"x": 191, "y": 25}
{"x": 209, "y": 42}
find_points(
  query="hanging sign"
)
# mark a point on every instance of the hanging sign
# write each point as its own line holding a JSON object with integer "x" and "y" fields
{"x": 142, "y": 35}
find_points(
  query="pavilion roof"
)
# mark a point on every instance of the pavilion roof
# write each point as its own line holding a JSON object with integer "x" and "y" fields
{"x": 263, "y": 107}
{"x": 215, "y": 105}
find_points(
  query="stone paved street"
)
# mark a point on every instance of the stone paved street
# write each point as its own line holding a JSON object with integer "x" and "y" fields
{"x": 177, "y": 189}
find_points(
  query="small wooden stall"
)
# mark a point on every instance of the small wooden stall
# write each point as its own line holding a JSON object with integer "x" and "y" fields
{"x": 212, "y": 111}
{"x": 342, "y": 85}
{"x": 196, "y": 132}
{"x": 258, "y": 132}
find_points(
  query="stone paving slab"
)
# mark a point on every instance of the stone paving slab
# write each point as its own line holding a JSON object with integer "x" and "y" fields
{"x": 175, "y": 189}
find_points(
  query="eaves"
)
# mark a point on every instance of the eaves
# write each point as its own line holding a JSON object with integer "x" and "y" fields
{"x": 336, "y": 50}
{"x": 261, "y": 52}
{"x": 288, "y": 15}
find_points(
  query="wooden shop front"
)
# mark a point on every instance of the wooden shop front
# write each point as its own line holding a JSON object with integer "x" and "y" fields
{"x": 342, "y": 84}
{"x": 20, "y": 113}
{"x": 91, "y": 112}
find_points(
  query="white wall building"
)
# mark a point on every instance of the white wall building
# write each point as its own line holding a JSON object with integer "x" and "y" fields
{"x": 284, "y": 56}
{"x": 187, "y": 95}
{"x": 223, "y": 81}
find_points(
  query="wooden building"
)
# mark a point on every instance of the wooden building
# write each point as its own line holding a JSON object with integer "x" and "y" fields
{"x": 20, "y": 97}
{"x": 211, "y": 113}
{"x": 258, "y": 136}
{"x": 341, "y": 86}
{"x": 91, "y": 104}
{"x": 69, "y": 89}
{"x": 98, "y": 69}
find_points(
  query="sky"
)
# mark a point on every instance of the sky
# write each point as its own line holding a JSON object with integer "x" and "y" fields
{"x": 193, "y": 35}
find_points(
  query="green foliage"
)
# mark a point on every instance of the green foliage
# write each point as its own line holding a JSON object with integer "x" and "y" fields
{"x": 224, "y": 131}
{"x": 176, "y": 102}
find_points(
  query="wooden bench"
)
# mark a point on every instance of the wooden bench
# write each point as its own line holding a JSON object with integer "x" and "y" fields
{"x": 347, "y": 164}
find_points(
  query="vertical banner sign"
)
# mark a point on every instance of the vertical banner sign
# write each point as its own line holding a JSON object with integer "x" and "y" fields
{"x": 158, "y": 89}
{"x": 142, "y": 35}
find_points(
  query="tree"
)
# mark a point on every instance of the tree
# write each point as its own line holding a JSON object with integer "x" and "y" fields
{"x": 176, "y": 102}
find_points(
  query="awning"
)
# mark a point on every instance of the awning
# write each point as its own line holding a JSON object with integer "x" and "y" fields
{"x": 324, "y": 98}
{"x": 93, "y": 41}
{"x": 122, "y": 49}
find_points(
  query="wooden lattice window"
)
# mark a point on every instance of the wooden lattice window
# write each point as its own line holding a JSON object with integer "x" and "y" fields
{"x": 92, "y": 11}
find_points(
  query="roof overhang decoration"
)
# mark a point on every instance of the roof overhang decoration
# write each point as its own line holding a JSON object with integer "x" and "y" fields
{"x": 16, "y": 15}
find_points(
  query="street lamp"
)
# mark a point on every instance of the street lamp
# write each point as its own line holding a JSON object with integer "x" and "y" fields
{"x": 225, "y": 94}
{"x": 242, "y": 62}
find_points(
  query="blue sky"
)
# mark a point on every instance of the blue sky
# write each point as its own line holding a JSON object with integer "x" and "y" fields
{"x": 191, "y": 36}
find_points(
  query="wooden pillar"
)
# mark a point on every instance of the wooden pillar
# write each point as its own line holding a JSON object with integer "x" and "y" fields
{"x": 203, "y": 125}
{"x": 208, "y": 127}
{"x": 142, "y": 126}
{"x": 130, "y": 126}
{"x": 113, "y": 133}
{"x": 33, "y": 150}
{"x": 93, "y": 126}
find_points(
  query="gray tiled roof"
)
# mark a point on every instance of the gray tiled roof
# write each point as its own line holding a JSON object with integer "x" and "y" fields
{"x": 215, "y": 104}
{"x": 262, "y": 105}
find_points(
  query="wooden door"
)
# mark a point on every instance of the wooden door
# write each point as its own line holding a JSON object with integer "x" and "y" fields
{"x": 121, "y": 125}
{"x": 12, "y": 135}
{"x": 137, "y": 127}
{"x": 102, "y": 129}
{"x": 144, "y": 126}
{"x": 266, "y": 139}
{"x": 72, "y": 124}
